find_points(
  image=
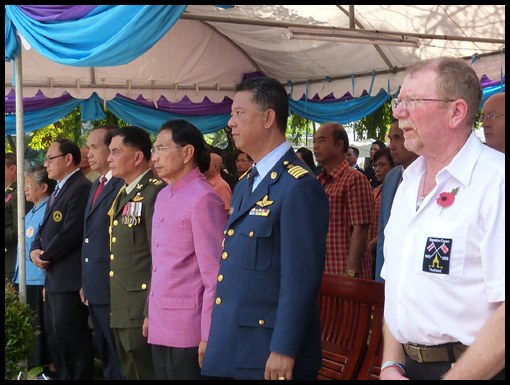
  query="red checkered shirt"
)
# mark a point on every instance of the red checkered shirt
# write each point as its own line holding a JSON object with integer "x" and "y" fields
{"x": 351, "y": 203}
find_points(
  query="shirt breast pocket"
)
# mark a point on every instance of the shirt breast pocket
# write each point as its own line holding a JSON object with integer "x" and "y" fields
{"x": 442, "y": 250}
{"x": 255, "y": 251}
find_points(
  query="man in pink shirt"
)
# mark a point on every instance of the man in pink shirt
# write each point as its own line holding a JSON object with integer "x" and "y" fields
{"x": 187, "y": 234}
{"x": 214, "y": 178}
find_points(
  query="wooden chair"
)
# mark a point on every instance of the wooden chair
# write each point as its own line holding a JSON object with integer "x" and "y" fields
{"x": 371, "y": 367}
{"x": 346, "y": 307}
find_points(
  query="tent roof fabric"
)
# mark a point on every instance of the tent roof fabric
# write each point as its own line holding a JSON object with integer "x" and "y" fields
{"x": 206, "y": 57}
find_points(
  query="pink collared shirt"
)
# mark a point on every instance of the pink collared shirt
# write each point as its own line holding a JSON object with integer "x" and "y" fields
{"x": 223, "y": 190}
{"x": 187, "y": 234}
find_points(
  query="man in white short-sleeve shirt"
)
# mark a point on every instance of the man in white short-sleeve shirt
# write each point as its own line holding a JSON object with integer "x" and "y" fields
{"x": 444, "y": 242}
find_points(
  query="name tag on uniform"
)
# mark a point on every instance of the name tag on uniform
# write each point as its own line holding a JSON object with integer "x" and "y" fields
{"x": 436, "y": 258}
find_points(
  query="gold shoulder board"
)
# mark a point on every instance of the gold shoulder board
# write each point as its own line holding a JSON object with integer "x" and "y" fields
{"x": 296, "y": 171}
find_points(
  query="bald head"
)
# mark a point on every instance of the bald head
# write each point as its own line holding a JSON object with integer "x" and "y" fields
{"x": 493, "y": 123}
{"x": 214, "y": 167}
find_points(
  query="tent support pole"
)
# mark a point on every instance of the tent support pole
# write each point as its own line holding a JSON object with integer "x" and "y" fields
{"x": 288, "y": 24}
{"x": 20, "y": 165}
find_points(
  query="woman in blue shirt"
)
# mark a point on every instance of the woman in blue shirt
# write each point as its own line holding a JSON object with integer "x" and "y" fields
{"x": 38, "y": 188}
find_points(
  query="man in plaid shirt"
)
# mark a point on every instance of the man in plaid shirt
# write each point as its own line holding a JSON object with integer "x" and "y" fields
{"x": 350, "y": 205}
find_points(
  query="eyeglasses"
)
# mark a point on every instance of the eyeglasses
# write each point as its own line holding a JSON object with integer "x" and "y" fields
{"x": 490, "y": 117}
{"x": 50, "y": 158}
{"x": 27, "y": 185}
{"x": 380, "y": 164}
{"x": 158, "y": 149}
{"x": 242, "y": 160}
{"x": 409, "y": 102}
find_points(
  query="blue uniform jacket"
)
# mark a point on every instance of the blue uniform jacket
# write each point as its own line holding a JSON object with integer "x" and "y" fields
{"x": 270, "y": 275}
{"x": 95, "y": 251}
{"x": 389, "y": 190}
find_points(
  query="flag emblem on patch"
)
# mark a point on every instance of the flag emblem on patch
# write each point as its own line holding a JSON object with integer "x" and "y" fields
{"x": 436, "y": 257}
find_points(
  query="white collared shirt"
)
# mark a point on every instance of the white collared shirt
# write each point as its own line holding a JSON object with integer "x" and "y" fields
{"x": 268, "y": 162}
{"x": 445, "y": 267}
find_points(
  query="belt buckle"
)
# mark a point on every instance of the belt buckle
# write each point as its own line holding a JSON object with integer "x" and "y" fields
{"x": 415, "y": 353}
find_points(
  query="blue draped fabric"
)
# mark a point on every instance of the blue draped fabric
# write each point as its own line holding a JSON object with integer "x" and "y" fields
{"x": 108, "y": 35}
{"x": 342, "y": 111}
{"x": 34, "y": 120}
{"x": 151, "y": 119}
{"x": 489, "y": 91}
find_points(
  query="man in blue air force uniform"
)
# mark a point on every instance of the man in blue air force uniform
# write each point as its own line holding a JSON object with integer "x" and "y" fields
{"x": 266, "y": 318}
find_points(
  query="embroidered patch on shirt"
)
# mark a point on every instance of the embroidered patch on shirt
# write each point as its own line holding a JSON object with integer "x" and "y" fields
{"x": 436, "y": 258}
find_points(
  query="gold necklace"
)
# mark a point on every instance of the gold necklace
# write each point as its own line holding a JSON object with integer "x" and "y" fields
{"x": 423, "y": 192}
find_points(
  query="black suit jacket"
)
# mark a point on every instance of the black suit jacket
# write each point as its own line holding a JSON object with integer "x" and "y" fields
{"x": 95, "y": 251}
{"x": 61, "y": 235}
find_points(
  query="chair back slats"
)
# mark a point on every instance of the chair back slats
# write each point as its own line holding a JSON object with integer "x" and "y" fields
{"x": 346, "y": 307}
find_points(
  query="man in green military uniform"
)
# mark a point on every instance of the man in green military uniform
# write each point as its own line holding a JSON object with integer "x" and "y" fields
{"x": 11, "y": 214}
{"x": 130, "y": 245}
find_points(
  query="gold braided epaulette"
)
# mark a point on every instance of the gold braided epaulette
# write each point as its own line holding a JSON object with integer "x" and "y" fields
{"x": 296, "y": 171}
{"x": 246, "y": 173}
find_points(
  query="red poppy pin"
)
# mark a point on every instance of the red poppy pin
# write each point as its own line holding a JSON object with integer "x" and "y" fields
{"x": 446, "y": 199}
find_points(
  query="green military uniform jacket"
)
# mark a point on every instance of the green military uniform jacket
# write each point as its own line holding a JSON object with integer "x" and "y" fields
{"x": 130, "y": 251}
{"x": 11, "y": 227}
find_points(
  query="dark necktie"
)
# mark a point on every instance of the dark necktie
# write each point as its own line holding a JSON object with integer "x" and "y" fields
{"x": 249, "y": 185}
{"x": 54, "y": 195}
{"x": 99, "y": 189}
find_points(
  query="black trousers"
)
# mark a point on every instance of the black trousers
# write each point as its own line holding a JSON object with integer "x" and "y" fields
{"x": 105, "y": 339}
{"x": 176, "y": 363}
{"x": 433, "y": 371}
{"x": 69, "y": 337}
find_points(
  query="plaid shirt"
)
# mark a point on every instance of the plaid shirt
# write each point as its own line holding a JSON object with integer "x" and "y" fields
{"x": 351, "y": 203}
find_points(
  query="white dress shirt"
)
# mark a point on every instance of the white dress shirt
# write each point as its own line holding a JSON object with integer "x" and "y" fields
{"x": 445, "y": 267}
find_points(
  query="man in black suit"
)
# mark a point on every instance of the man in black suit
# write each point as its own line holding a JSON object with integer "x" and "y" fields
{"x": 57, "y": 249}
{"x": 95, "y": 255}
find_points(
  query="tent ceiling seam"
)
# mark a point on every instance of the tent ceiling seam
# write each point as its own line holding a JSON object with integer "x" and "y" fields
{"x": 360, "y": 26}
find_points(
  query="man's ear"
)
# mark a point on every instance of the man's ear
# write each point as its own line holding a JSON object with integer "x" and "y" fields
{"x": 269, "y": 118}
{"x": 189, "y": 152}
{"x": 458, "y": 112}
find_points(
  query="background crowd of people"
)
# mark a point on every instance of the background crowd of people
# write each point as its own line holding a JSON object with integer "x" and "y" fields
{"x": 188, "y": 274}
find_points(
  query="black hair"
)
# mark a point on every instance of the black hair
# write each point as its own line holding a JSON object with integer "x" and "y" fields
{"x": 339, "y": 133}
{"x": 356, "y": 151}
{"x": 268, "y": 94}
{"x": 307, "y": 158}
{"x": 384, "y": 152}
{"x": 110, "y": 129}
{"x": 67, "y": 146}
{"x": 184, "y": 133}
{"x": 136, "y": 137}
{"x": 380, "y": 144}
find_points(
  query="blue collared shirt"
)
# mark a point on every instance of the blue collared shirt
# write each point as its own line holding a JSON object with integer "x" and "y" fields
{"x": 268, "y": 162}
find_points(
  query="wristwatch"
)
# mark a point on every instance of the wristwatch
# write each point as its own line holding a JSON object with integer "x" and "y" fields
{"x": 351, "y": 273}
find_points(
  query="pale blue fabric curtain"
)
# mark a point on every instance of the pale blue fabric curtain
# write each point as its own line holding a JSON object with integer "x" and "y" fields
{"x": 109, "y": 35}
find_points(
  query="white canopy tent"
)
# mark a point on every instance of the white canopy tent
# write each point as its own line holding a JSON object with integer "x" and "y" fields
{"x": 209, "y": 49}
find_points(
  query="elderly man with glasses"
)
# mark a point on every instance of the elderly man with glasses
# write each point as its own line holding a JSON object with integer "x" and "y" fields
{"x": 444, "y": 242}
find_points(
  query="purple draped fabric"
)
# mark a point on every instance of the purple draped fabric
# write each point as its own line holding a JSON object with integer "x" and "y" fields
{"x": 186, "y": 106}
{"x": 486, "y": 82}
{"x": 56, "y": 12}
{"x": 37, "y": 102}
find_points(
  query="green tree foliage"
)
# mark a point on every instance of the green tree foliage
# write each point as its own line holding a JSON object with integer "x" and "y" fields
{"x": 298, "y": 127}
{"x": 19, "y": 332}
{"x": 375, "y": 125}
